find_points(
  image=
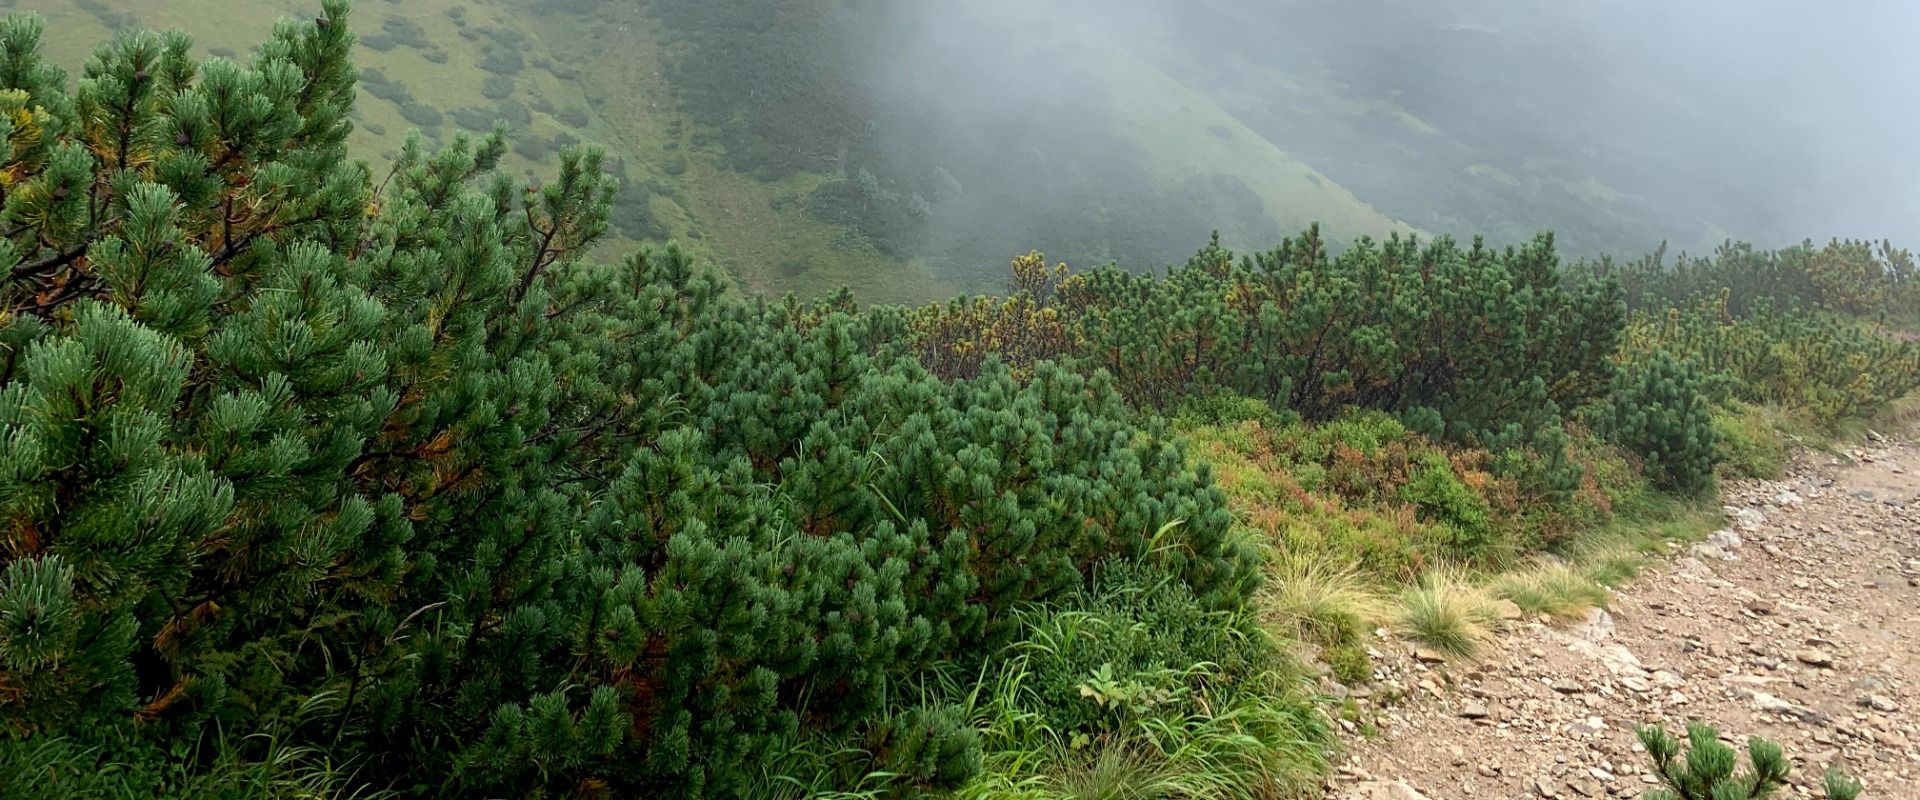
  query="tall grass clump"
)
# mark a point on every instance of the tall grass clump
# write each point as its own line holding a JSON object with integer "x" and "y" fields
{"x": 1755, "y": 439}
{"x": 1316, "y": 599}
{"x": 1132, "y": 691}
{"x": 1447, "y": 613}
{"x": 1551, "y": 588}
{"x": 257, "y": 767}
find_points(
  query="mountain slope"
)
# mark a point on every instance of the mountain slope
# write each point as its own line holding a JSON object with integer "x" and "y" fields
{"x": 907, "y": 150}
{"x": 557, "y": 74}
{"x": 1183, "y": 132}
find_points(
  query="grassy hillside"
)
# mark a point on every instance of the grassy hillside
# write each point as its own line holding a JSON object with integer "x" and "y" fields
{"x": 908, "y": 151}
{"x": 424, "y": 64}
{"x": 556, "y": 76}
{"x": 1185, "y": 132}
{"x": 562, "y": 72}
{"x": 1603, "y": 124}
{"x": 759, "y": 229}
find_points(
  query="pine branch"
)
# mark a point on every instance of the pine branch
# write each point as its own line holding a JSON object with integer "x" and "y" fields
{"x": 37, "y": 269}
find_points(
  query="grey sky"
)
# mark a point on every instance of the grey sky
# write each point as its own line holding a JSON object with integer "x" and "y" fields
{"x": 1765, "y": 120}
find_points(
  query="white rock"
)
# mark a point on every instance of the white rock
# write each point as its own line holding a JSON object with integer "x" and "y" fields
{"x": 1596, "y": 628}
{"x": 1509, "y": 611}
{"x": 1587, "y": 727}
{"x": 1774, "y": 705}
{"x": 1691, "y": 568}
{"x": 1618, "y": 660}
{"x": 1814, "y": 658}
{"x": 1709, "y": 552}
{"x": 1382, "y": 790}
{"x": 1726, "y": 539}
{"x": 1746, "y": 519}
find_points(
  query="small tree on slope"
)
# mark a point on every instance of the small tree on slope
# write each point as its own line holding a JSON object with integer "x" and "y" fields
{"x": 1658, "y": 411}
{"x": 1707, "y": 772}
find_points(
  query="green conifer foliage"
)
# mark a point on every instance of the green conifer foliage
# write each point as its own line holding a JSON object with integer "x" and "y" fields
{"x": 1831, "y": 366}
{"x": 1479, "y": 345}
{"x": 387, "y": 468}
{"x": 1868, "y": 280}
{"x": 1659, "y": 412}
{"x": 187, "y": 373}
{"x": 1709, "y": 769}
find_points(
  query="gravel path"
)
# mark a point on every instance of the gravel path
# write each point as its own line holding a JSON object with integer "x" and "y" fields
{"x": 1801, "y": 623}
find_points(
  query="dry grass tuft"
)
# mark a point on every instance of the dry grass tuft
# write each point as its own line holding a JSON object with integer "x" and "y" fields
{"x": 1448, "y": 613}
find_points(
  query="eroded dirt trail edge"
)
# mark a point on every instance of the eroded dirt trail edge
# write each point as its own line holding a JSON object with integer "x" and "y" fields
{"x": 1803, "y": 626}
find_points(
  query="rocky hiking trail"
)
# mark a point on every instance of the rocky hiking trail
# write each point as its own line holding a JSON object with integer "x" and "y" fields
{"x": 1799, "y": 623}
